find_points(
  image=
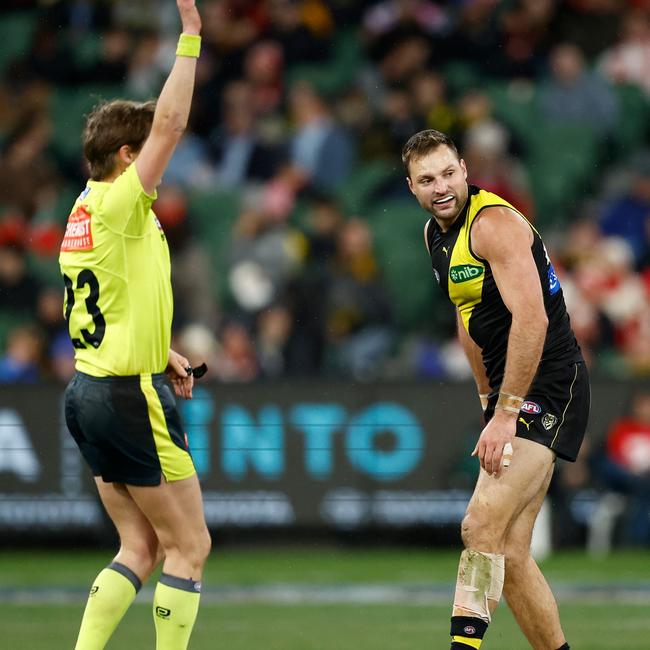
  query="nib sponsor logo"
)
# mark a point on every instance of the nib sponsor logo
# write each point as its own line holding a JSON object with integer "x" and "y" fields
{"x": 465, "y": 272}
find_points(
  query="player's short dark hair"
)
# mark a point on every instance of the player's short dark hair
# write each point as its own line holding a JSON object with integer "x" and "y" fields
{"x": 422, "y": 143}
{"x": 110, "y": 125}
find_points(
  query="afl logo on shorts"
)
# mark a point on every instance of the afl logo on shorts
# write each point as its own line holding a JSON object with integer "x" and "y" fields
{"x": 469, "y": 629}
{"x": 531, "y": 407}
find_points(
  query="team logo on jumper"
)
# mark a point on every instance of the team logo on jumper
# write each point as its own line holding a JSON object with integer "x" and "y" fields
{"x": 78, "y": 233}
{"x": 548, "y": 421}
{"x": 163, "y": 612}
{"x": 531, "y": 407}
{"x": 469, "y": 629}
{"x": 465, "y": 272}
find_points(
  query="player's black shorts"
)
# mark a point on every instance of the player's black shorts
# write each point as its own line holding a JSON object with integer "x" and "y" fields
{"x": 128, "y": 429}
{"x": 556, "y": 410}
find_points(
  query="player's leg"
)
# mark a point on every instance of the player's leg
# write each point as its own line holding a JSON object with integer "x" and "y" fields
{"x": 496, "y": 502}
{"x": 175, "y": 510}
{"x": 525, "y": 588}
{"x": 117, "y": 585}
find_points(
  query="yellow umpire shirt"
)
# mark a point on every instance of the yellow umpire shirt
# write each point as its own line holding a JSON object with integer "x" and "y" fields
{"x": 116, "y": 268}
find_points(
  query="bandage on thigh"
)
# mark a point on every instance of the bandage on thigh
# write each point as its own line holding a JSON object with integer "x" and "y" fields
{"x": 480, "y": 578}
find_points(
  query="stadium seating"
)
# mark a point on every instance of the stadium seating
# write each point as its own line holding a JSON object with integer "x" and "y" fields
{"x": 212, "y": 215}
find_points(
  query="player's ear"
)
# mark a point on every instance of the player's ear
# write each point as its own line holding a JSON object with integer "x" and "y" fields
{"x": 463, "y": 166}
{"x": 410, "y": 184}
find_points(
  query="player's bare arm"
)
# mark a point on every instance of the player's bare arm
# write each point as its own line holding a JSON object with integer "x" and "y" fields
{"x": 504, "y": 239}
{"x": 475, "y": 358}
{"x": 172, "y": 108}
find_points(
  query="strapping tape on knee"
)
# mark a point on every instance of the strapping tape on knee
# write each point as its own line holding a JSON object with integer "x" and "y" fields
{"x": 480, "y": 578}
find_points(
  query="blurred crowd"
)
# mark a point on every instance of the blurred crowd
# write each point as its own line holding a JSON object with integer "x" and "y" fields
{"x": 281, "y": 265}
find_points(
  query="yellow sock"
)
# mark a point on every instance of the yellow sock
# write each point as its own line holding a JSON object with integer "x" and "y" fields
{"x": 175, "y": 605}
{"x": 110, "y": 596}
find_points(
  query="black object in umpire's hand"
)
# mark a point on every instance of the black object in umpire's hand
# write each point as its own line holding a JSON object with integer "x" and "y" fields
{"x": 197, "y": 372}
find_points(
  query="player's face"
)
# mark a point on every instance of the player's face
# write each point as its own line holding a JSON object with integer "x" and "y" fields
{"x": 439, "y": 182}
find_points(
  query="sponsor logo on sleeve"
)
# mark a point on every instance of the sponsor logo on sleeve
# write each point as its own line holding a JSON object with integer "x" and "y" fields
{"x": 78, "y": 233}
{"x": 531, "y": 407}
{"x": 553, "y": 282}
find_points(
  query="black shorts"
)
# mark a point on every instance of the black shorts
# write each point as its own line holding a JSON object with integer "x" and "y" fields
{"x": 128, "y": 429}
{"x": 556, "y": 410}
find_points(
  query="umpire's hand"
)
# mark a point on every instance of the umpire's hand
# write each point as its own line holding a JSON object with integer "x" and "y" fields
{"x": 181, "y": 379}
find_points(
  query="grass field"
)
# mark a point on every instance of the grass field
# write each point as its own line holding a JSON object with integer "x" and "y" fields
{"x": 308, "y": 601}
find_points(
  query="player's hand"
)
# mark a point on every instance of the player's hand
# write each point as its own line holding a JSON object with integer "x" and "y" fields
{"x": 499, "y": 432}
{"x": 190, "y": 17}
{"x": 181, "y": 380}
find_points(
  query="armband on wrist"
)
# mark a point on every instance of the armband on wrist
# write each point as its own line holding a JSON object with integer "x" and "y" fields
{"x": 189, "y": 45}
{"x": 509, "y": 403}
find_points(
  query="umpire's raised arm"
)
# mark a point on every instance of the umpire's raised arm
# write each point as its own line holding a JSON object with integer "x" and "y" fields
{"x": 173, "y": 106}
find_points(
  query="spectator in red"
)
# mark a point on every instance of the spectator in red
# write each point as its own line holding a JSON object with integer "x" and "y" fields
{"x": 626, "y": 467}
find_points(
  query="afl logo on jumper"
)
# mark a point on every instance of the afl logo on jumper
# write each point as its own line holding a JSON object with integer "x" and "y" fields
{"x": 531, "y": 407}
{"x": 465, "y": 272}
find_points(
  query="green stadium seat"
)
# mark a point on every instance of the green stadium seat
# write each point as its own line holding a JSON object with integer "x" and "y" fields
{"x": 397, "y": 228}
{"x": 333, "y": 76}
{"x": 515, "y": 105}
{"x": 16, "y": 31}
{"x": 9, "y": 321}
{"x": 562, "y": 162}
{"x": 634, "y": 124}
{"x": 212, "y": 216}
{"x": 68, "y": 108}
{"x": 355, "y": 193}
{"x": 461, "y": 76}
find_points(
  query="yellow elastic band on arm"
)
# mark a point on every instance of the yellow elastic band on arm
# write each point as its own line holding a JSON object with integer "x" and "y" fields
{"x": 189, "y": 45}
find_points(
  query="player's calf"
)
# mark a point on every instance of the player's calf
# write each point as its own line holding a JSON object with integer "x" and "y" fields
{"x": 478, "y": 589}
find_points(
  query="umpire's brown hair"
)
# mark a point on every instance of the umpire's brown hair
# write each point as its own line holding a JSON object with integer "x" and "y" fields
{"x": 111, "y": 125}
